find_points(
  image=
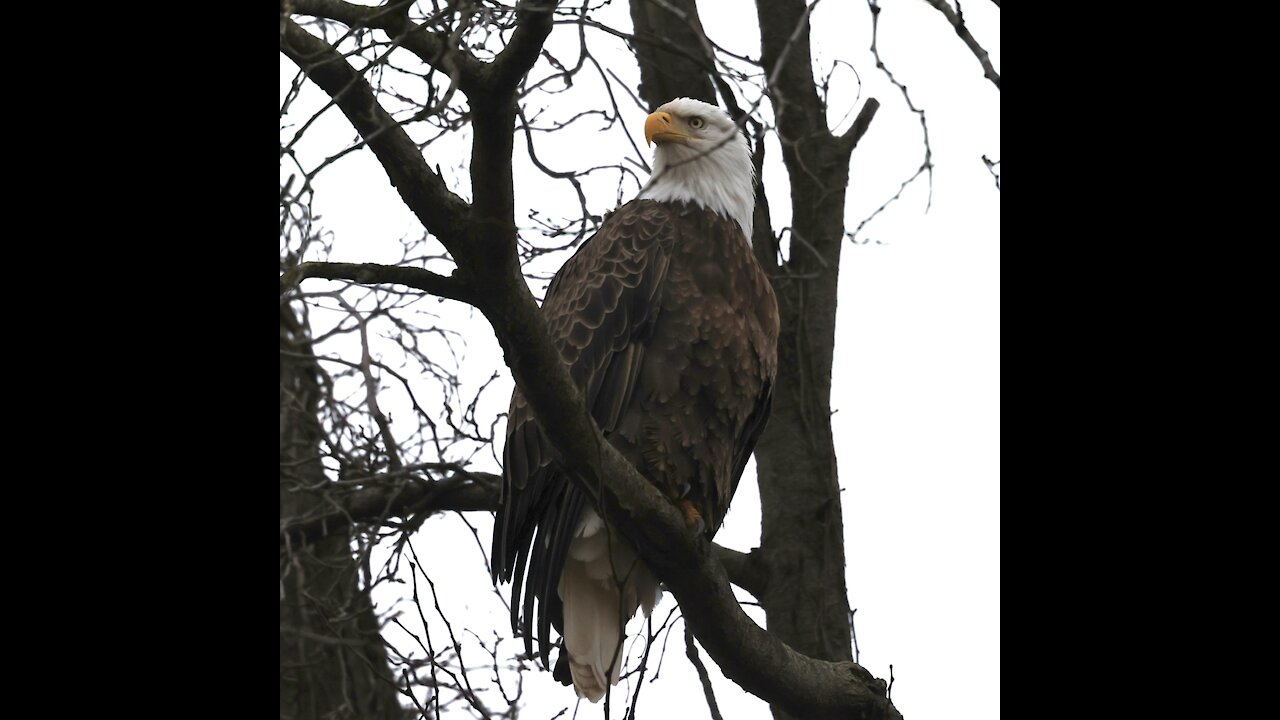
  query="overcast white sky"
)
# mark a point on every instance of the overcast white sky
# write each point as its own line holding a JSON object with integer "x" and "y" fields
{"x": 916, "y": 383}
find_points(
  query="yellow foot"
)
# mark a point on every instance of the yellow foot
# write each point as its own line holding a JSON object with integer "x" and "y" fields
{"x": 692, "y": 518}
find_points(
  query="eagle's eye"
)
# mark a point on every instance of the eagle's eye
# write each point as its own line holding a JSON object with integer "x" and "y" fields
{"x": 696, "y": 122}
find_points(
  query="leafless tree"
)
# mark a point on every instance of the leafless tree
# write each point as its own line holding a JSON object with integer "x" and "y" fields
{"x": 357, "y": 486}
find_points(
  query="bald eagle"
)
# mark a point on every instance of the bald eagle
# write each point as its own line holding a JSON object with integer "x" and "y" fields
{"x": 670, "y": 328}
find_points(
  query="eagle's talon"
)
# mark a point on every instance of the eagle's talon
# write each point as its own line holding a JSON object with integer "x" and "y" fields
{"x": 692, "y": 518}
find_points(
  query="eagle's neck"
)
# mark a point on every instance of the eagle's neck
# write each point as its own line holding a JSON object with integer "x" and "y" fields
{"x": 720, "y": 180}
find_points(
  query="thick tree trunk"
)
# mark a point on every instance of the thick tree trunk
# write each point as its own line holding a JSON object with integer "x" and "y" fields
{"x": 332, "y": 661}
{"x": 802, "y": 540}
{"x": 802, "y": 535}
{"x": 670, "y": 49}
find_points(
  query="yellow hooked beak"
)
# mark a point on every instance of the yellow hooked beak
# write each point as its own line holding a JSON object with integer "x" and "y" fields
{"x": 659, "y": 127}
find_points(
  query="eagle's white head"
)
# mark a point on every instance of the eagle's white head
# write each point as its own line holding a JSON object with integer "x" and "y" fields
{"x": 702, "y": 158}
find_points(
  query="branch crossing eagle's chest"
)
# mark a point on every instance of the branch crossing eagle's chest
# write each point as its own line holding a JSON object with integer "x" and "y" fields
{"x": 669, "y": 326}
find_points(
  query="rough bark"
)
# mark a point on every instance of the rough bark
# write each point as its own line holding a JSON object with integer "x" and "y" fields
{"x": 670, "y": 48}
{"x": 332, "y": 661}
{"x": 802, "y": 533}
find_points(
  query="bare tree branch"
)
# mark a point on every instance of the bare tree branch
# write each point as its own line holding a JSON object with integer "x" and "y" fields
{"x": 446, "y": 286}
{"x": 744, "y": 569}
{"x": 397, "y": 495}
{"x": 927, "y": 164}
{"x": 957, "y": 22}
{"x": 492, "y": 241}
{"x": 691, "y": 651}
{"x": 401, "y": 494}
{"x": 860, "y": 124}
{"x": 434, "y": 48}
{"x": 440, "y": 211}
{"x": 533, "y": 18}
{"x": 991, "y": 168}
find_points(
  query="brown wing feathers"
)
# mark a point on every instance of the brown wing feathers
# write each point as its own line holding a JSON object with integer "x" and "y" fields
{"x": 670, "y": 327}
{"x": 600, "y": 308}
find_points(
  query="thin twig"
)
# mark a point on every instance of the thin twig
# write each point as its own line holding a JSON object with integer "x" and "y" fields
{"x": 991, "y": 168}
{"x": 691, "y": 651}
{"x": 927, "y": 165}
{"x": 857, "y": 654}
